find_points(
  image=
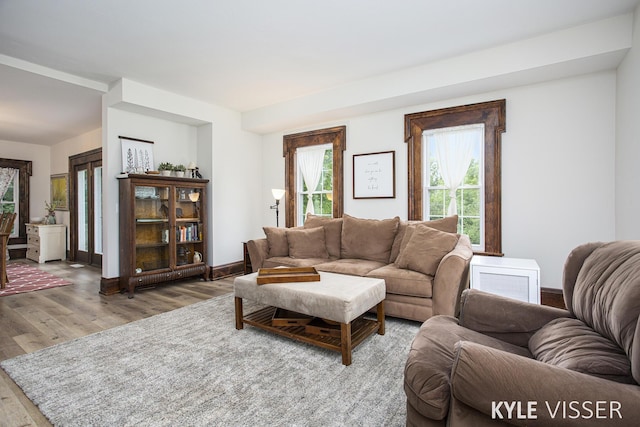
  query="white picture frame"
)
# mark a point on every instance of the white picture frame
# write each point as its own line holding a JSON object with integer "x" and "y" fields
{"x": 137, "y": 155}
{"x": 374, "y": 175}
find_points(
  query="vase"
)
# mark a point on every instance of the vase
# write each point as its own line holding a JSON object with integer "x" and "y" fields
{"x": 51, "y": 218}
{"x": 165, "y": 173}
{"x": 180, "y": 174}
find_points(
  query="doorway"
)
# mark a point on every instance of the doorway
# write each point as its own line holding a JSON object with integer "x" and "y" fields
{"x": 85, "y": 205}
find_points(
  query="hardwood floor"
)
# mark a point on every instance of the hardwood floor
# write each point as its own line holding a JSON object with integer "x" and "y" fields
{"x": 35, "y": 320}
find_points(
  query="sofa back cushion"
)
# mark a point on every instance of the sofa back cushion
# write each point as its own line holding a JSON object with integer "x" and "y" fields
{"x": 309, "y": 243}
{"x": 448, "y": 224}
{"x": 606, "y": 295}
{"x": 571, "y": 344}
{"x": 369, "y": 239}
{"x": 332, "y": 231}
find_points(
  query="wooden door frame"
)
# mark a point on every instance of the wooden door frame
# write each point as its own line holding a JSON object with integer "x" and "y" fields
{"x": 74, "y": 161}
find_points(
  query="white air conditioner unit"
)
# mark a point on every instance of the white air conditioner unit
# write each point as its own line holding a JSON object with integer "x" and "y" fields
{"x": 509, "y": 277}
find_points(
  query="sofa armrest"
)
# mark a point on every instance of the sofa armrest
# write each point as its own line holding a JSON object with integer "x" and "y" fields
{"x": 482, "y": 376}
{"x": 452, "y": 277}
{"x": 505, "y": 318}
{"x": 258, "y": 251}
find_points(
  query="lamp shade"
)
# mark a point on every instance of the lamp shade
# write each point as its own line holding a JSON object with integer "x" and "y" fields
{"x": 277, "y": 193}
{"x": 192, "y": 165}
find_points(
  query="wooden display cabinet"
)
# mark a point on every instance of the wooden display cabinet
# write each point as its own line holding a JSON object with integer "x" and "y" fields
{"x": 163, "y": 224}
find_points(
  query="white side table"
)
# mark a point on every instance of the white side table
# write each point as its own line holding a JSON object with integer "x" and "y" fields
{"x": 46, "y": 242}
{"x": 509, "y": 277}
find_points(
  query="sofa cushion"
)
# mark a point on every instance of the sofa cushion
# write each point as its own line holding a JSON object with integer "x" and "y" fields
{"x": 309, "y": 243}
{"x": 332, "y": 231}
{"x": 353, "y": 267}
{"x": 606, "y": 295}
{"x": 287, "y": 261}
{"x": 401, "y": 281}
{"x": 276, "y": 241}
{"x": 368, "y": 239}
{"x": 425, "y": 249}
{"x": 448, "y": 224}
{"x": 428, "y": 367}
{"x": 571, "y": 344}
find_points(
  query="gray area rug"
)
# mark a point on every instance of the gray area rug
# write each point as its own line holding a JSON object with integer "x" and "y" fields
{"x": 192, "y": 367}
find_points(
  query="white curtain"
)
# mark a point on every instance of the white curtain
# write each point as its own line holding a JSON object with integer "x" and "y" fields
{"x": 454, "y": 151}
{"x": 310, "y": 163}
{"x": 6, "y": 177}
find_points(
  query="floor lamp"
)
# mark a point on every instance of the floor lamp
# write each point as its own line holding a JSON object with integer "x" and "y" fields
{"x": 277, "y": 194}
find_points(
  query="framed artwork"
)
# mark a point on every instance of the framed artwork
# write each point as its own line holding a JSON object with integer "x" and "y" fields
{"x": 60, "y": 191}
{"x": 137, "y": 155}
{"x": 374, "y": 175}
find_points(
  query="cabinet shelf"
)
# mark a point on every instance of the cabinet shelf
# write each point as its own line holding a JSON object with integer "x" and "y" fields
{"x": 154, "y": 221}
{"x": 151, "y": 220}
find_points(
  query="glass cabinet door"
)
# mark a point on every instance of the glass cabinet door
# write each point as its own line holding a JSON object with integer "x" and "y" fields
{"x": 189, "y": 230}
{"x": 151, "y": 209}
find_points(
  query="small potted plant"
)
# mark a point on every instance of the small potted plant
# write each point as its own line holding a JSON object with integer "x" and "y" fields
{"x": 50, "y": 218}
{"x": 179, "y": 169}
{"x": 165, "y": 168}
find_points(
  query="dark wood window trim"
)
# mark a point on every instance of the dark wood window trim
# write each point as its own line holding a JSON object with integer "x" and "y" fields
{"x": 24, "y": 170}
{"x": 492, "y": 114}
{"x": 335, "y": 136}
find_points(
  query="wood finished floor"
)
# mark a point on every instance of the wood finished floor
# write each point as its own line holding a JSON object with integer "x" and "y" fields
{"x": 40, "y": 319}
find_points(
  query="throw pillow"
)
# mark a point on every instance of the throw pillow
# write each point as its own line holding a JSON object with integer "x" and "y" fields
{"x": 425, "y": 249}
{"x": 277, "y": 241}
{"x": 369, "y": 239}
{"x": 308, "y": 243}
{"x": 448, "y": 224}
{"x": 571, "y": 344}
{"x": 332, "y": 231}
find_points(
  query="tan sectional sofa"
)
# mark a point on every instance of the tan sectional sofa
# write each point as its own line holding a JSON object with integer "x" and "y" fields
{"x": 425, "y": 264}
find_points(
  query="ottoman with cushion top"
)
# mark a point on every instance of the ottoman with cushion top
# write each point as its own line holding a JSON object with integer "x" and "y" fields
{"x": 336, "y": 297}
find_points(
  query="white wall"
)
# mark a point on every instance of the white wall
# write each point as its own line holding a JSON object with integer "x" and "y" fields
{"x": 183, "y": 130}
{"x": 558, "y": 166}
{"x": 41, "y": 170}
{"x": 628, "y": 140}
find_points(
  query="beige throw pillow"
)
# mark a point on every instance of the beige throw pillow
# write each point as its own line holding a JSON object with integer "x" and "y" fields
{"x": 276, "y": 241}
{"x": 369, "y": 239}
{"x": 448, "y": 224}
{"x": 332, "y": 231}
{"x": 425, "y": 249}
{"x": 309, "y": 243}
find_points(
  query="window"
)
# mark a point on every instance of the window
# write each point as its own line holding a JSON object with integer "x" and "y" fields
{"x": 316, "y": 163}
{"x": 453, "y": 178}
{"x": 492, "y": 116}
{"x": 328, "y": 195}
{"x": 9, "y": 202}
{"x": 21, "y": 200}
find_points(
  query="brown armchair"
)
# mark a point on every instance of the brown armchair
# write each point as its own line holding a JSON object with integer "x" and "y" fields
{"x": 506, "y": 362}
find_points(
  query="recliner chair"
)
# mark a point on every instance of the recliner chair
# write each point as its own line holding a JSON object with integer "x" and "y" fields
{"x": 507, "y": 362}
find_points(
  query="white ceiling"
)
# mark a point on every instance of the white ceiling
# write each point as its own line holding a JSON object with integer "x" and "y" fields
{"x": 240, "y": 54}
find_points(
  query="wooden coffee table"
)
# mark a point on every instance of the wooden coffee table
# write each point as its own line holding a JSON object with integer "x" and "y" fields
{"x": 336, "y": 297}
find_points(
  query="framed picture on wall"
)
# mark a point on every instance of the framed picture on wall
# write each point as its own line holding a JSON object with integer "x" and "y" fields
{"x": 374, "y": 175}
{"x": 137, "y": 155}
{"x": 60, "y": 191}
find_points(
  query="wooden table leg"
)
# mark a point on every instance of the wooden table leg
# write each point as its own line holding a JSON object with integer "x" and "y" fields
{"x": 345, "y": 343}
{"x": 239, "y": 324}
{"x": 381, "y": 317}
